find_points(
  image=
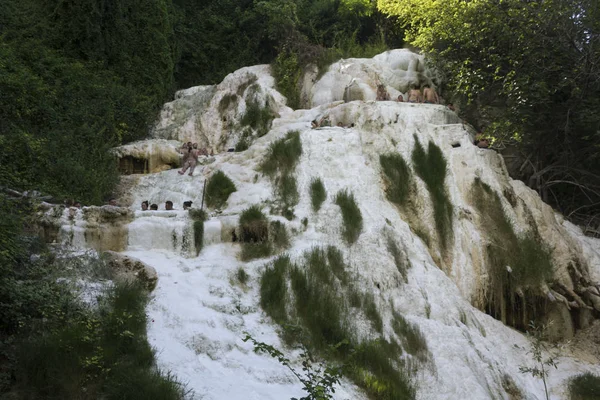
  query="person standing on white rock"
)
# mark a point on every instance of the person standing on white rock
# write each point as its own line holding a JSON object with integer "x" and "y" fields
{"x": 190, "y": 159}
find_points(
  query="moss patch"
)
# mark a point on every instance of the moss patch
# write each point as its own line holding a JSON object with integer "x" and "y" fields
{"x": 198, "y": 216}
{"x": 318, "y": 194}
{"x": 397, "y": 177}
{"x": 218, "y": 189}
{"x": 514, "y": 262}
{"x": 257, "y": 117}
{"x": 351, "y": 215}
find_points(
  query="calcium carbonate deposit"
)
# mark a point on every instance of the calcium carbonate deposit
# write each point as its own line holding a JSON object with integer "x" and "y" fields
{"x": 199, "y": 311}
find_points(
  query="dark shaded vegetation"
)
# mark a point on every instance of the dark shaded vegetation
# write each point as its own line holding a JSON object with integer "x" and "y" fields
{"x": 351, "y": 216}
{"x": 585, "y": 386}
{"x": 254, "y": 234}
{"x": 55, "y": 345}
{"x": 242, "y": 276}
{"x": 258, "y": 117}
{"x": 314, "y": 296}
{"x": 431, "y": 167}
{"x": 318, "y": 194}
{"x": 514, "y": 261}
{"x": 400, "y": 260}
{"x": 218, "y": 189}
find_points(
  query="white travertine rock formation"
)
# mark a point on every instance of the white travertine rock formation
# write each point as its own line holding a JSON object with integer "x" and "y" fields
{"x": 199, "y": 315}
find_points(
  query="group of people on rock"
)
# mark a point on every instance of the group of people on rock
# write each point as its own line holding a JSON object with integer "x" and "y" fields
{"x": 168, "y": 205}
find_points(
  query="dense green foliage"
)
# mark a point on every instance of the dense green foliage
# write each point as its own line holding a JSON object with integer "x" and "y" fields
{"x": 584, "y": 387}
{"x": 431, "y": 167}
{"x": 527, "y": 73}
{"x": 325, "y": 307}
{"x": 218, "y": 189}
{"x": 351, "y": 216}
{"x": 530, "y": 264}
{"x": 283, "y": 155}
{"x": 254, "y": 234}
{"x": 77, "y": 79}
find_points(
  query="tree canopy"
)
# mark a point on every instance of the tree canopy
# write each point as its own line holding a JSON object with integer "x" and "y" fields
{"x": 527, "y": 73}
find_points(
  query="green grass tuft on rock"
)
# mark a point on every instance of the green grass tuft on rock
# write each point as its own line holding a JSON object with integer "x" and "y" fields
{"x": 279, "y": 236}
{"x": 241, "y": 275}
{"x": 318, "y": 194}
{"x": 218, "y": 189}
{"x": 198, "y": 216}
{"x": 254, "y": 234}
{"x": 258, "y": 117}
{"x": 351, "y": 215}
{"x": 432, "y": 169}
{"x": 283, "y": 155}
{"x": 287, "y": 190}
{"x": 584, "y": 386}
{"x": 397, "y": 176}
{"x": 273, "y": 288}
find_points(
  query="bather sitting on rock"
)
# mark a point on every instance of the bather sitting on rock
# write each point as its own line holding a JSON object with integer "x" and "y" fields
{"x": 414, "y": 95}
{"x": 168, "y": 205}
{"x": 430, "y": 95}
{"x": 451, "y": 107}
{"x": 145, "y": 205}
{"x": 187, "y": 205}
{"x": 400, "y": 99}
{"x": 153, "y": 207}
{"x": 382, "y": 94}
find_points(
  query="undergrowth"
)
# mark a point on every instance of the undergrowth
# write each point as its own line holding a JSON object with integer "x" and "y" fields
{"x": 218, "y": 189}
{"x": 351, "y": 215}
{"x": 101, "y": 352}
{"x": 514, "y": 262}
{"x": 584, "y": 386}
{"x": 314, "y": 297}
{"x": 242, "y": 276}
{"x": 431, "y": 168}
{"x": 397, "y": 177}
{"x": 318, "y": 194}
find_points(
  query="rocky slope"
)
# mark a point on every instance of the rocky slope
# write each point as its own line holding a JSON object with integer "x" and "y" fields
{"x": 481, "y": 253}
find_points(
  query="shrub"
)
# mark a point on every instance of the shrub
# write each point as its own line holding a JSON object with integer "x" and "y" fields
{"x": 318, "y": 194}
{"x": 242, "y": 144}
{"x": 283, "y": 155}
{"x": 351, "y": 215}
{"x": 287, "y": 72}
{"x": 584, "y": 386}
{"x": 218, "y": 189}
{"x": 431, "y": 168}
{"x": 252, "y": 251}
{"x": 397, "y": 177}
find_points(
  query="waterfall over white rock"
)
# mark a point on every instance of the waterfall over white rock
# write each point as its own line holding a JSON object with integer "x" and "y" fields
{"x": 198, "y": 314}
